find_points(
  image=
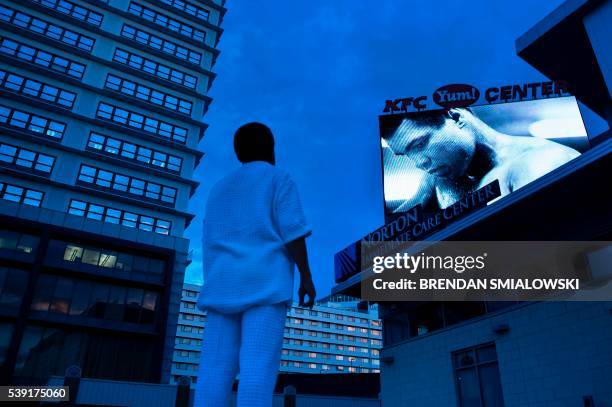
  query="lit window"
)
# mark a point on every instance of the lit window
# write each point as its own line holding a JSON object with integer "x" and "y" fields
{"x": 73, "y": 253}
{"x": 32, "y": 123}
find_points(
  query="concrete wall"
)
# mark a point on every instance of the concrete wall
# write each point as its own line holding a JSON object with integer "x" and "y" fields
{"x": 553, "y": 355}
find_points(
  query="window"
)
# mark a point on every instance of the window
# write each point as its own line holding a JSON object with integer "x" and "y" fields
{"x": 20, "y": 195}
{"x": 29, "y": 87}
{"x": 188, "y": 8}
{"x": 32, "y": 123}
{"x": 126, "y": 184}
{"x": 141, "y": 122}
{"x": 18, "y": 242}
{"x": 165, "y": 21}
{"x": 134, "y": 152}
{"x": 148, "y": 94}
{"x": 12, "y": 286}
{"x": 73, "y": 10}
{"x": 68, "y": 252}
{"x": 41, "y": 58}
{"x": 153, "y": 68}
{"x": 20, "y": 157}
{"x": 477, "y": 377}
{"x": 75, "y": 297}
{"x": 119, "y": 217}
{"x": 158, "y": 43}
{"x": 36, "y": 25}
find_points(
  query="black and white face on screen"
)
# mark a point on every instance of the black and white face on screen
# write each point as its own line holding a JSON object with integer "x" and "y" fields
{"x": 433, "y": 158}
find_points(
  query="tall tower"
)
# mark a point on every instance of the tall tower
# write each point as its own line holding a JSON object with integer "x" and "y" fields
{"x": 101, "y": 113}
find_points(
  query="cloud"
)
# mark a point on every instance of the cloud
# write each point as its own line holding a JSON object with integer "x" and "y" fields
{"x": 318, "y": 73}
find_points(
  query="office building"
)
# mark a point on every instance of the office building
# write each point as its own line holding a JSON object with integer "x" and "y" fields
{"x": 101, "y": 113}
{"x": 336, "y": 336}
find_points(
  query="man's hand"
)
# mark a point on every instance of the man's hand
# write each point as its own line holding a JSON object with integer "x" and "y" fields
{"x": 307, "y": 288}
{"x": 297, "y": 250}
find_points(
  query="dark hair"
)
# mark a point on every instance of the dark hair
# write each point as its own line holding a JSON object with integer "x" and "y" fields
{"x": 254, "y": 142}
{"x": 433, "y": 118}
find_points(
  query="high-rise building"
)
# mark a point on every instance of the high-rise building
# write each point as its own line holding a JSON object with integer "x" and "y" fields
{"x": 101, "y": 113}
{"x": 335, "y": 336}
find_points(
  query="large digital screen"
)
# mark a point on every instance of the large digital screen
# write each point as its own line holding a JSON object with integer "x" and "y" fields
{"x": 435, "y": 157}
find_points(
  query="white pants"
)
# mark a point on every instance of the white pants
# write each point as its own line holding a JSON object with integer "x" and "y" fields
{"x": 251, "y": 340}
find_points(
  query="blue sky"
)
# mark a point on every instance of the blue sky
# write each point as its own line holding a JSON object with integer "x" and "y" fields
{"x": 318, "y": 73}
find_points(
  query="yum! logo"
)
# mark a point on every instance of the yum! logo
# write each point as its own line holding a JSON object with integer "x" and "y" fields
{"x": 457, "y": 95}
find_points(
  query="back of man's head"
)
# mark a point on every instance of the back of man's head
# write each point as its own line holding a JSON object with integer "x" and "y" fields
{"x": 254, "y": 142}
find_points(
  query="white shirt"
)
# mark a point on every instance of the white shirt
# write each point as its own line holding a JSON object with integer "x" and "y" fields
{"x": 250, "y": 215}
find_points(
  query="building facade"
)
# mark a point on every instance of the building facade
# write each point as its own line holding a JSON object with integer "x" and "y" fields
{"x": 335, "y": 336}
{"x": 101, "y": 113}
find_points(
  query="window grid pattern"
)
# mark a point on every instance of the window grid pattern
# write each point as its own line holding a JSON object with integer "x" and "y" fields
{"x": 74, "y": 254}
{"x": 33, "y": 24}
{"x": 134, "y": 152}
{"x": 39, "y": 90}
{"x": 141, "y": 122}
{"x": 148, "y": 94}
{"x": 127, "y": 184}
{"x": 21, "y": 157}
{"x": 119, "y": 217}
{"x": 21, "y": 195}
{"x": 61, "y": 295}
{"x": 41, "y": 58}
{"x": 165, "y": 21}
{"x": 158, "y": 43}
{"x": 155, "y": 69}
{"x": 73, "y": 10}
{"x": 188, "y": 8}
{"x": 32, "y": 123}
